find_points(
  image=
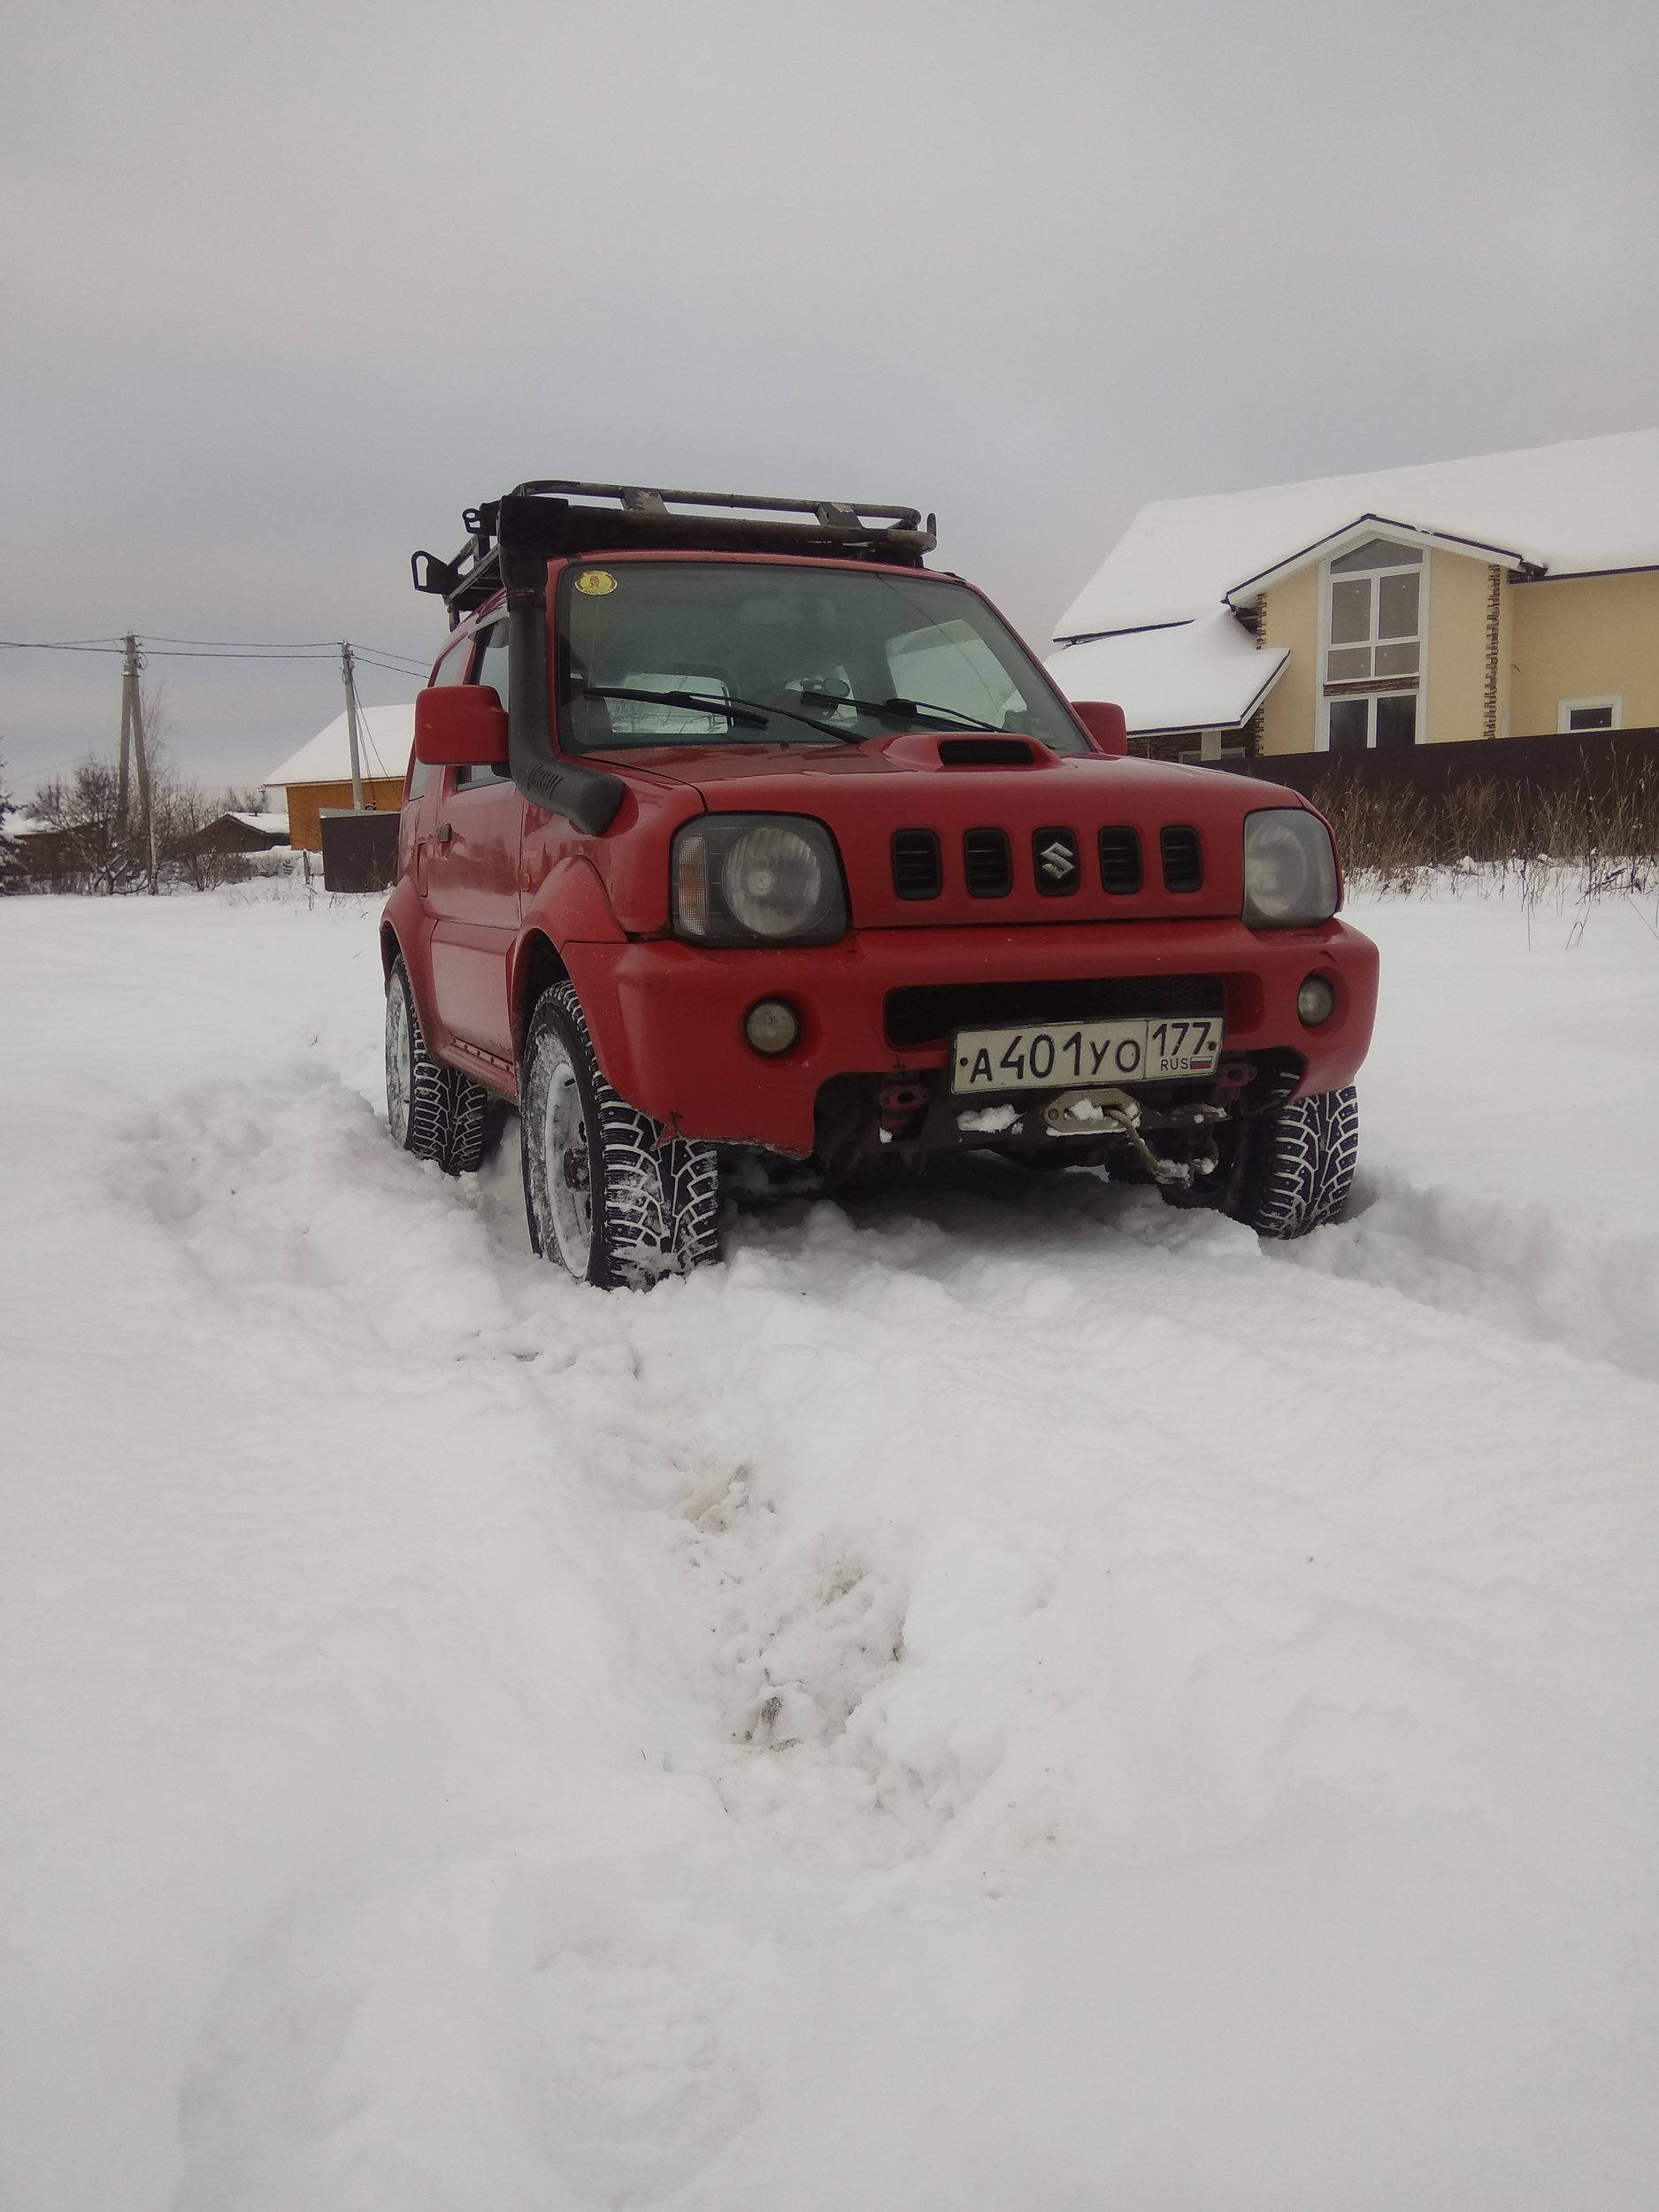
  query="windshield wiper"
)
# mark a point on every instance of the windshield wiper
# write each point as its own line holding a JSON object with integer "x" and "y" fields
{"x": 904, "y": 711}
{"x": 745, "y": 713}
{"x": 694, "y": 701}
{"x": 828, "y": 729}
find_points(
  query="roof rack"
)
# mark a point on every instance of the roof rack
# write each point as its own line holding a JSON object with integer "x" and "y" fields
{"x": 542, "y": 519}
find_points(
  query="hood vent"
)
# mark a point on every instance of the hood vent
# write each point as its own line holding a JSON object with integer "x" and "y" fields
{"x": 1183, "y": 859}
{"x": 918, "y": 871}
{"x": 987, "y": 863}
{"x": 985, "y": 752}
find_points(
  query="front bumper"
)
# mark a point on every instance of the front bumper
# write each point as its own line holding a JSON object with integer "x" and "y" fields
{"x": 667, "y": 1018}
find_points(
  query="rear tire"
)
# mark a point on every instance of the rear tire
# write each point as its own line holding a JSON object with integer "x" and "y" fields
{"x": 436, "y": 1112}
{"x": 1296, "y": 1164}
{"x": 605, "y": 1199}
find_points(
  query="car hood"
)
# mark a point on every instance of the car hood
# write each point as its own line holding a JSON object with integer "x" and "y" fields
{"x": 1184, "y": 825}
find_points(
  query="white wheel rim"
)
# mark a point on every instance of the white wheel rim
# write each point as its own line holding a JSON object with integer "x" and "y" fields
{"x": 568, "y": 1169}
{"x": 400, "y": 1074}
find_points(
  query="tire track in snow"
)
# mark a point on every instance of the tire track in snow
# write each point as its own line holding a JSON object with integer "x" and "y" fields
{"x": 1011, "y": 1524}
{"x": 1000, "y": 1297}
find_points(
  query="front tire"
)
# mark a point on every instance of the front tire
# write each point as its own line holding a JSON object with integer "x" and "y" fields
{"x": 605, "y": 1198}
{"x": 436, "y": 1112}
{"x": 1296, "y": 1164}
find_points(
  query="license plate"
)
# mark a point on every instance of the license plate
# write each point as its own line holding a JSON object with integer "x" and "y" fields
{"x": 1055, "y": 1056}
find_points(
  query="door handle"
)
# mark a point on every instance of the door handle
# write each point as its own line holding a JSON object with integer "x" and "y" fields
{"x": 445, "y": 832}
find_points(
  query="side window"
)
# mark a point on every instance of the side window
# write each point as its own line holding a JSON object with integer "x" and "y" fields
{"x": 492, "y": 666}
{"x": 450, "y": 670}
{"x": 492, "y": 670}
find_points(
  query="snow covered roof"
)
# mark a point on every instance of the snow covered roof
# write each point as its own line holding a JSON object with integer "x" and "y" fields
{"x": 385, "y": 736}
{"x": 268, "y": 824}
{"x": 1568, "y": 510}
{"x": 1206, "y": 674}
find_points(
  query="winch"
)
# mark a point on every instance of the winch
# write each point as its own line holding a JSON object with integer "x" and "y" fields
{"x": 1108, "y": 1112}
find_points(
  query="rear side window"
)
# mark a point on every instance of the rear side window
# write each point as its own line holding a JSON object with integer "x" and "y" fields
{"x": 492, "y": 670}
{"x": 450, "y": 670}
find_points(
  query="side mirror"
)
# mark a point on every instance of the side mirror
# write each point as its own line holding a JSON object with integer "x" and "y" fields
{"x": 460, "y": 725}
{"x": 1104, "y": 724}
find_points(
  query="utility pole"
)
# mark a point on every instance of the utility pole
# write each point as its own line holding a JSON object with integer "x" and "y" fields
{"x": 348, "y": 676}
{"x": 129, "y": 692}
{"x": 141, "y": 759}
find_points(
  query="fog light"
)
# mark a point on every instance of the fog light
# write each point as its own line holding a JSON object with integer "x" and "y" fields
{"x": 1314, "y": 1001}
{"x": 771, "y": 1026}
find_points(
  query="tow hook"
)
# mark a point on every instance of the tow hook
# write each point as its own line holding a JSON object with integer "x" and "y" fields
{"x": 899, "y": 1104}
{"x": 1108, "y": 1112}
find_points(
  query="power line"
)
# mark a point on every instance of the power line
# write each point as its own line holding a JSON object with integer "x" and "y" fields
{"x": 218, "y": 648}
{"x": 193, "y": 653}
{"x": 369, "y": 660}
{"x": 299, "y": 645}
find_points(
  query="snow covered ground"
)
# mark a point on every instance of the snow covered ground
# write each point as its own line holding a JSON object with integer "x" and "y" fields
{"x": 1011, "y": 1696}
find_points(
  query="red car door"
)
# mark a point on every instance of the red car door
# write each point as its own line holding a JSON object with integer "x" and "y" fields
{"x": 473, "y": 896}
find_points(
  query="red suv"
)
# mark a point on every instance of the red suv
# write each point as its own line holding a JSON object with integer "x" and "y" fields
{"x": 729, "y": 823}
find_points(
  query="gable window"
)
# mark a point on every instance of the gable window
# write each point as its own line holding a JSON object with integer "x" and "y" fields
{"x": 1375, "y": 605}
{"x": 1589, "y": 714}
{"x": 1374, "y": 610}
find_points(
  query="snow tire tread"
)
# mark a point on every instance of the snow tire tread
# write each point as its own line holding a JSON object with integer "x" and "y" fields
{"x": 656, "y": 1204}
{"x": 1301, "y": 1163}
{"x": 452, "y": 1118}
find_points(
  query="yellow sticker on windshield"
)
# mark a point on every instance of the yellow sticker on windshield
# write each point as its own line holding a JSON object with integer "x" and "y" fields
{"x": 596, "y": 582}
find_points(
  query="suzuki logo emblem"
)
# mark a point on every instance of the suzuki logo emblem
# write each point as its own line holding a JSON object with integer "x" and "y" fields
{"x": 1057, "y": 860}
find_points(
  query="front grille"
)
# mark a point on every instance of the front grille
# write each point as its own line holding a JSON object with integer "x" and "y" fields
{"x": 1120, "y": 861}
{"x": 1054, "y": 862}
{"x": 917, "y": 872}
{"x": 985, "y": 752}
{"x": 923, "y": 1013}
{"x": 987, "y": 863}
{"x": 1183, "y": 859}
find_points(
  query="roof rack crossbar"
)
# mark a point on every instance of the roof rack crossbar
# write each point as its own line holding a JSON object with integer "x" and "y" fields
{"x": 641, "y": 499}
{"x": 542, "y": 518}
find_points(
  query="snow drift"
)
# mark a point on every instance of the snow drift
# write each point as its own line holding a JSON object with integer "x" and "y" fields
{"x": 1010, "y": 1695}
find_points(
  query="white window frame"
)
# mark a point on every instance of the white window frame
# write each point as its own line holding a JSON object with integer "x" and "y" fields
{"x": 1564, "y": 711}
{"x": 1322, "y": 723}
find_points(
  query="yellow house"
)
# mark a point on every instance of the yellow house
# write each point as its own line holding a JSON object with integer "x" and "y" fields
{"x": 1514, "y": 595}
{"x": 318, "y": 776}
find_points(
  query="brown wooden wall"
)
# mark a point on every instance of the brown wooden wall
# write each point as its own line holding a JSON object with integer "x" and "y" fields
{"x": 1584, "y": 759}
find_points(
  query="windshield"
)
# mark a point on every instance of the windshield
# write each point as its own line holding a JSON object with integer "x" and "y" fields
{"x": 782, "y": 653}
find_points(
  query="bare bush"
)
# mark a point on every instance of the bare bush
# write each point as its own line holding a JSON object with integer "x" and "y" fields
{"x": 82, "y": 843}
{"x": 192, "y": 856}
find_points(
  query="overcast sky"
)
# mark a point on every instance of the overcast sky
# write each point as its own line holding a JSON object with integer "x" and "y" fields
{"x": 286, "y": 286}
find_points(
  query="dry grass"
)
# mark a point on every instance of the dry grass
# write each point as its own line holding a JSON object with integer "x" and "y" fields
{"x": 1591, "y": 839}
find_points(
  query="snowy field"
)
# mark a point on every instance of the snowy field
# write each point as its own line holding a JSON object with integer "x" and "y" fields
{"x": 1014, "y": 1696}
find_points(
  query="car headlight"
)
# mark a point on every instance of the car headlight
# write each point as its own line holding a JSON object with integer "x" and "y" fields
{"x": 1289, "y": 868}
{"x": 748, "y": 879}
